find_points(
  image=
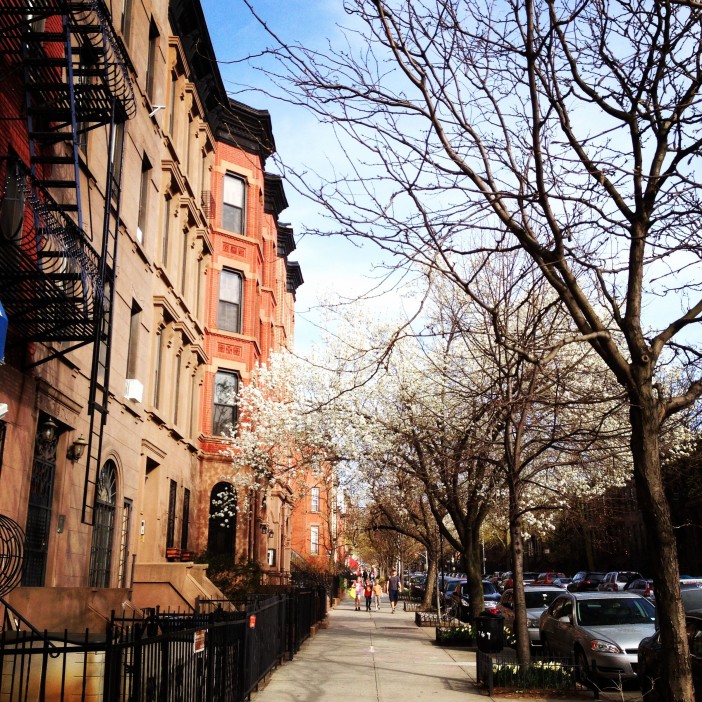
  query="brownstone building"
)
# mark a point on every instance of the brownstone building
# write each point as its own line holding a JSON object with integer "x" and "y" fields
{"x": 119, "y": 155}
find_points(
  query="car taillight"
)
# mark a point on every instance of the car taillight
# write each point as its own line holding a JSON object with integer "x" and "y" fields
{"x": 615, "y": 587}
{"x": 647, "y": 591}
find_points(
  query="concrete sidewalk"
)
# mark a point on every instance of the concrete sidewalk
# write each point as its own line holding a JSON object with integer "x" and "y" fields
{"x": 384, "y": 657}
{"x": 375, "y": 657}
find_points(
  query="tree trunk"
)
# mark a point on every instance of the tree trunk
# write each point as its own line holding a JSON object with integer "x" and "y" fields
{"x": 517, "y": 550}
{"x": 429, "y": 598}
{"x": 471, "y": 560}
{"x": 645, "y": 423}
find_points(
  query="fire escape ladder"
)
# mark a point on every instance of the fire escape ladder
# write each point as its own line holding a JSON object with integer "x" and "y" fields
{"x": 100, "y": 373}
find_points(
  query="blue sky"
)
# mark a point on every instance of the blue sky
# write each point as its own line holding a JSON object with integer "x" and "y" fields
{"x": 327, "y": 264}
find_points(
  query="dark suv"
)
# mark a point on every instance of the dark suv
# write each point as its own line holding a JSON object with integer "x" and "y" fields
{"x": 460, "y": 598}
{"x": 585, "y": 581}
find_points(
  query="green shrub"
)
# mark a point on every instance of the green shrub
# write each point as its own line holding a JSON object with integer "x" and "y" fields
{"x": 235, "y": 580}
{"x": 456, "y": 634}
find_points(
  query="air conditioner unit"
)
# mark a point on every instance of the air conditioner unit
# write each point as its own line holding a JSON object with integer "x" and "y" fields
{"x": 134, "y": 389}
{"x": 140, "y": 236}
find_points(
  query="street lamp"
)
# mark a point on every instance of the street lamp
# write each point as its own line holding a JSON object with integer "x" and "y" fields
{"x": 47, "y": 431}
{"x": 76, "y": 449}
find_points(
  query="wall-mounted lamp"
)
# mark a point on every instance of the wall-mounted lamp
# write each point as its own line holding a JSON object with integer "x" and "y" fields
{"x": 264, "y": 528}
{"x": 270, "y": 533}
{"x": 76, "y": 449}
{"x": 264, "y": 501}
{"x": 47, "y": 431}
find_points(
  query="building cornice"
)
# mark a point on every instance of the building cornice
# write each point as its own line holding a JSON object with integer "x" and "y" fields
{"x": 246, "y": 128}
{"x": 188, "y": 23}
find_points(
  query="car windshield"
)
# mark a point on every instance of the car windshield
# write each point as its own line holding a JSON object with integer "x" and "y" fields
{"x": 539, "y": 599}
{"x": 612, "y": 611}
{"x": 488, "y": 589}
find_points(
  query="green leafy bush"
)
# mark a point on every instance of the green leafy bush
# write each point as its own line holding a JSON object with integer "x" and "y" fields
{"x": 456, "y": 634}
{"x": 235, "y": 580}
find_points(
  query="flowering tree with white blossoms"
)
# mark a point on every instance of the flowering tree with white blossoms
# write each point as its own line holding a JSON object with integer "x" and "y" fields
{"x": 467, "y": 416}
{"x": 563, "y": 431}
{"x": 280, "y": 438}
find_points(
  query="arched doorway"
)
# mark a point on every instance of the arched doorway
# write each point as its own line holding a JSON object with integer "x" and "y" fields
{"x": 221, "y": 537}
{"x": 103, "y": 526}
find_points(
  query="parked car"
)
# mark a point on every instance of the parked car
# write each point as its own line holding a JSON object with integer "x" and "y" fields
{"x": 616, "y": 580}
{"x": 601, "y": 631}
{"x": 691, "y": 598}
{"x": 417, "y": 585}
{"x": 537, "y": 599}
{"x": 547, "y": 578}
{"x": 562, "y": 582}
{"x": 650, "y": 660}
{"x": 505, "y": 578}
{"x": 527, "y": 577}
{"x": 641, "y": 586}
{"x": 461, "y": 598}
{"x": 585, "y": 581}
{"x": 447, "y": 588}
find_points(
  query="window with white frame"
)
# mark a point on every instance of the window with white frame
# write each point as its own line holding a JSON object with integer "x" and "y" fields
{"x": 233, "y": 203}
{"x": 314, "y": 499}
{"x": 229, "y": 307}
{"x": 314, "y": 540}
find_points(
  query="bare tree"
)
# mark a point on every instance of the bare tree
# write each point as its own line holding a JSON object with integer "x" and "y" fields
{"x": 569, "y": 130}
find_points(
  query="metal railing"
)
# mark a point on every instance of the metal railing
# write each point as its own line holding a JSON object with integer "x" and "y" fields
{"x": 217, "y": 654}
{"x": 504, "y": 671}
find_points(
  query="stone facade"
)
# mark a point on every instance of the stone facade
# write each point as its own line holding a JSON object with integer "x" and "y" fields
{"x": 140, "y": 494}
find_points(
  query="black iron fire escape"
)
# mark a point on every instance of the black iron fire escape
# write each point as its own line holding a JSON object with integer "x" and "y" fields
{"x": 57, "y": 288}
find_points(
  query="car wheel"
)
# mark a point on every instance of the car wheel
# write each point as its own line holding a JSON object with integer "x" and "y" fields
{"x": 582, "y": 669}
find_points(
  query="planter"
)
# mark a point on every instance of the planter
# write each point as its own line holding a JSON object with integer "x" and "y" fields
{"x": 433, "y": 619}
{"x": 426, "y": 619}
{"x": 454, "y": 636}
{"x": 173, "y": 554}
{"x": 186, "y": 556}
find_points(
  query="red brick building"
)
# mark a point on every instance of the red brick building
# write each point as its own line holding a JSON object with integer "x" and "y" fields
{"x": 318, "y": 526}
{"x": 249, "y": 314}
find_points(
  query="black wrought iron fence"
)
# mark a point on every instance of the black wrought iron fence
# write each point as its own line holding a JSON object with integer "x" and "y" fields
{"x": 214, "y": 655}
{"x": 309, "y": 606}
{"x": 504, "y": 671}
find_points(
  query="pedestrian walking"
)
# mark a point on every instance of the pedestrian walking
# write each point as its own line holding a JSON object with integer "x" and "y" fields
{"x": 377, "y": 593}
{"x": 394, "y": 587}
{"x": 358, "y": 588}
{"x": 368, "y": 594}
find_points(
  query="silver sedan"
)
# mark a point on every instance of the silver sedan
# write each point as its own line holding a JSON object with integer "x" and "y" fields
{"x": 601, "y": 632}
